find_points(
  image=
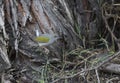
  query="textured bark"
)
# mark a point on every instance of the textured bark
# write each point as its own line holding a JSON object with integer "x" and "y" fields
{"x": 112, "y": 68}
{"x": 76, "y": 22}
{"x": 4, "y": 61}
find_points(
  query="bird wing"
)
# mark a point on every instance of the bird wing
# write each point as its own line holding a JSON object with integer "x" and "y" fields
{"x": 42, "y": 39}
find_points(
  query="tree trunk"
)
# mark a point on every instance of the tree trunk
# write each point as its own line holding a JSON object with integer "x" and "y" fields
{"x": 76, "y": 22}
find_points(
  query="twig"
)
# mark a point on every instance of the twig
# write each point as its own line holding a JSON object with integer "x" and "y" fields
{"x": 110, "y": 58}
{"x": 110, "y": 31}
{"x": 107, "y": 26}
{"x": 105, "y": 61}
{"x": 110, "y": 80}
{"x": 71, "y": 76}
{"x": 98, "y": 78}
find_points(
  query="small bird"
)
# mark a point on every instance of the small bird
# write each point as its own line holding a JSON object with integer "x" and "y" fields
{"x": 46, "y": 39}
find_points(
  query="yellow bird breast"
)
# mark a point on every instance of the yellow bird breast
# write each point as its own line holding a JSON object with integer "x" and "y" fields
{"x": 42, "y": 39}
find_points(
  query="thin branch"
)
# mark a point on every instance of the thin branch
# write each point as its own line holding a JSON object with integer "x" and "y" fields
{"x": 98, "y": 78}
{"x": 110, "y": 31}
{"x": 105, "y": 61}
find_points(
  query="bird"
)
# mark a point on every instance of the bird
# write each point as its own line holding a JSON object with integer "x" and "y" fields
{"x": 46, "y": 39}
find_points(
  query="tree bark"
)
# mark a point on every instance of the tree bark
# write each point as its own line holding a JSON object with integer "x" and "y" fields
{"x": 76, "y": 22}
